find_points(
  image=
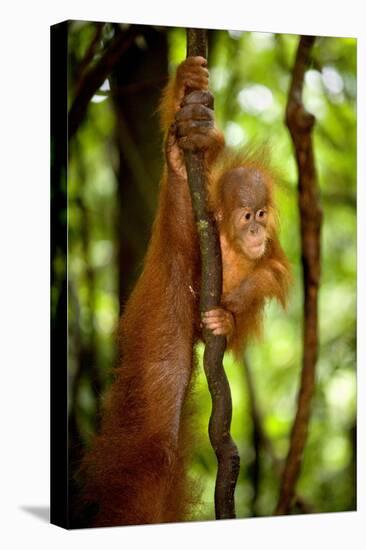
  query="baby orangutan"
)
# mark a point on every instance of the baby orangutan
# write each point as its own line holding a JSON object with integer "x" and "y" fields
{"x": 136, "y": 469}
{"x": 254, "y": 265}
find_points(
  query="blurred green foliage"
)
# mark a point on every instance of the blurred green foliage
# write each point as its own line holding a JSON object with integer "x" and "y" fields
{"x": 249, "y": 76}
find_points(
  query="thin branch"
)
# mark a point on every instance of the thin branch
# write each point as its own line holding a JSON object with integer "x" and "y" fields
{"x": 300, "y": 124}
{"x": 210, "y": 296}
{"x": 94, "y": 78}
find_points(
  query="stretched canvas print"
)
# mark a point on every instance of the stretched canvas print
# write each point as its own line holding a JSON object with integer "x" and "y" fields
{"x": 203, "y": 274}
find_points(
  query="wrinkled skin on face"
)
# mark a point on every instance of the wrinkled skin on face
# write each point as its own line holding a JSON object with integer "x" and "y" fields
{"x": 244, "y": 216}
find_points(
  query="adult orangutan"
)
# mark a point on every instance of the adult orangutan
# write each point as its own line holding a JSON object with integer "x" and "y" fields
{"x": 136, "y": 468}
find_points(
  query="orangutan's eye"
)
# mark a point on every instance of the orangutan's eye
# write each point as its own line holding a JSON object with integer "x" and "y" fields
{"x": 261, "y": 214}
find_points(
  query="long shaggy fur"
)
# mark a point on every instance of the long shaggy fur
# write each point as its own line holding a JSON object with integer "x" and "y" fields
{"x": 136, "y": 469}
{"x": 248, "y": 325}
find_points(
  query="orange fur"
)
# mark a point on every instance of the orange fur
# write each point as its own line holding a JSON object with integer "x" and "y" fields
{"x": 136, "y": 468}
{"x": 268, "y": 277}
